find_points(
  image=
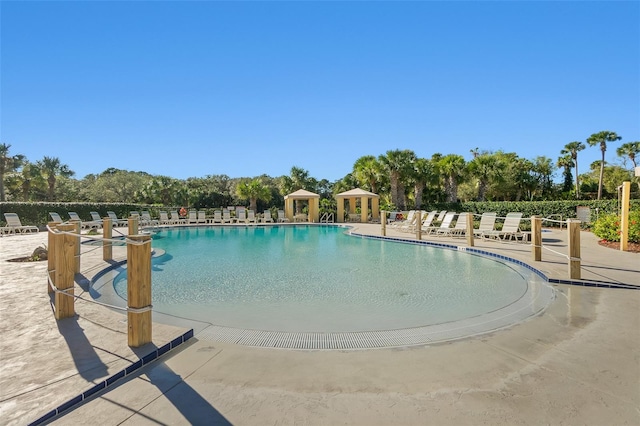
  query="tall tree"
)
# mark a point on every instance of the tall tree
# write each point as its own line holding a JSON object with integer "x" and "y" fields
{"x": 565, "y": 162}
{"x": 51, "y": 168}
{"x": 630, "y": 150}
{"x": 399, "y": 165}
{"x": 424, "y": 173}
{"x": 601, "y": 138}
{"x": 572, "y": 148}
{"x": 298, "y": 179}
{"x": 367, "y": 171}
{"x": 8, "y": 164}
{"x": 253, "y": 191}
{"x": 453, "y": 169}
{"x": 485, "y": 167}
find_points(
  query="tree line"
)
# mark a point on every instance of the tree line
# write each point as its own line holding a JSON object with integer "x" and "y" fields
{"x": 400, "y": 177}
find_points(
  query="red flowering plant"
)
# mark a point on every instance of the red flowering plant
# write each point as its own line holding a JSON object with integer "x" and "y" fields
{"x": 183, "y": 212}
{"x": 607, "y": 227}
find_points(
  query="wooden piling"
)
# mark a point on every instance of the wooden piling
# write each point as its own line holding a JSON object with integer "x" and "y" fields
{"x": 383, "y": 223}
{"x": 469, "y": 230}
{"x": 573, "y": 227}
{"x": 51, "y": 255}
{"x": 107, "y": 246}
{"x": 536, "y": 238}
{"x": 418, "y": 219}
{"x": 77, "y": 230}
{"x": 65, "y": 264}
{"x": 139, "y": 291}
{"x": 133, "y": 225}
{"x": 624, "y": 216}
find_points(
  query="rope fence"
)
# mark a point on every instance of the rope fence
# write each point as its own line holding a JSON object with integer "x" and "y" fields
{"x": 533, "y": 238}
{"x": 64, "y": 256}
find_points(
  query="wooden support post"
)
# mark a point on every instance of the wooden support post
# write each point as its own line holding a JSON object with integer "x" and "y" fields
{"x": 469, "y": 230}
{"x": 139, "y": 291}
{"x": 383, "y": 223}
{"x": 107, "y": 246}
{"x": 133, "y": 225}
{"x": 51, "y": 255}
{"x": 536, "y": 238}
{"x": 418, "y": 220}
{"x": 65, "y": 247}
{"x": 624, "y": 216}
{"x": 78, "y": 230}
{"x": 573, "y": 227}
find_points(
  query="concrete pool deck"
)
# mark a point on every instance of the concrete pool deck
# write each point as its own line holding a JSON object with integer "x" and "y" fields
{"x": 578, "y": 363}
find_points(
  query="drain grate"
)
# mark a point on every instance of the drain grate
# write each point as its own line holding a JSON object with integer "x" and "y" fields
{"x": 515, "y": 313}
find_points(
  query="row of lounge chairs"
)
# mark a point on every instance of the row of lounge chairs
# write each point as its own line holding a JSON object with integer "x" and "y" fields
{"x": 439, "y": 224}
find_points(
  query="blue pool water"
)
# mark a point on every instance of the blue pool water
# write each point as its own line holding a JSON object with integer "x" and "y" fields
{"x": 317, "y": 278}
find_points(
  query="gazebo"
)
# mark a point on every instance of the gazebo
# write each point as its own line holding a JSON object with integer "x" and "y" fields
{"x": 301, "y": 194}
{"x": 352, "y": 195}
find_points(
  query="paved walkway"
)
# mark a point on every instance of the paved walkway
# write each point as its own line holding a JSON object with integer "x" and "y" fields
{"x": 576, "y": 364}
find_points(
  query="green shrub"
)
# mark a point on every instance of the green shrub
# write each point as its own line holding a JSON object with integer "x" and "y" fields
{"x": 607, "y": 227}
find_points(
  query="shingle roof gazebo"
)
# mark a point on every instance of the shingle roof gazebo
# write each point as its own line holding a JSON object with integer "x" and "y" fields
{"x": 301, "y": 194}
{"x": 352, "y": 195}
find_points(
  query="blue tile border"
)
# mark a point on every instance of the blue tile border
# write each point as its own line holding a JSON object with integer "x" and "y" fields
{"x": 111, "y": 380}
{"x": 584, "y": 283}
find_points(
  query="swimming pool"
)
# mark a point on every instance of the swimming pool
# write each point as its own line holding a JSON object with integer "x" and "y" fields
{"x": 318, "y": 279}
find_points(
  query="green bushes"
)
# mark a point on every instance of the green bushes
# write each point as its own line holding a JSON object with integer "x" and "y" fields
{"x": 607, "y": 227}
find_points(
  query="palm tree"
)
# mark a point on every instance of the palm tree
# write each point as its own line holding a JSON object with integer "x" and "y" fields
{"x": 367, "y": 171}
{"x": 602, "y": 138}
{"x": 566, "y": 163}
{"x": 52, "y": 167}
{"x": 629, "y": 149}
{"x": 298, "y": 179}
{"x": 485, "y": 167}
{"x": 253, "y": 190}
{"x": 572, "y": 148}
{"x": 8, "y": 164}
{"x": 453, "y": 168}
{"x": 399, "y": 165}
{"x": 423, "y": 174}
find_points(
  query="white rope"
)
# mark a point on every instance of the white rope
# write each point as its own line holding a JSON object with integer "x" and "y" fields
{"x": 76, "y": 296}
{"x": 96, "y": 238}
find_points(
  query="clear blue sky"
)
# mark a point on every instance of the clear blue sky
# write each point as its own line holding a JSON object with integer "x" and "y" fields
{"x": 188, "y": 89}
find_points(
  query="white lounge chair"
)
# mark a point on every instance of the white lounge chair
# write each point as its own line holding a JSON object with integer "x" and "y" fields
{"x": 85, "y": 224}
{"x": 176, "y": 219}
{"x": 266, "y": 217}
{"x": 217, "y": 216}
{"x": 55, "y": 216}
{"x": 95, "y": 216}
{"x": 146, "y": 216}
{"x": 193, "y": 217}
{"x": 251, "y": 217}
{"x": 241, "y": 215}
{"x": 13, "y": 222}
{"x": 460, "y": 228}
{"x": 281, "y": 217}
{"x": 446, "y": 223}
{"x": 487, "y": 223}
{"x": 202, "y": 216}
{"x": 407, "y": 221}
{"x": 428, "y": 219}
{"x": 226, "y": 216}
{"x": 164, "y": 218}
{"x": 115, "y": 221}
{"x": 510, "y": 228}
